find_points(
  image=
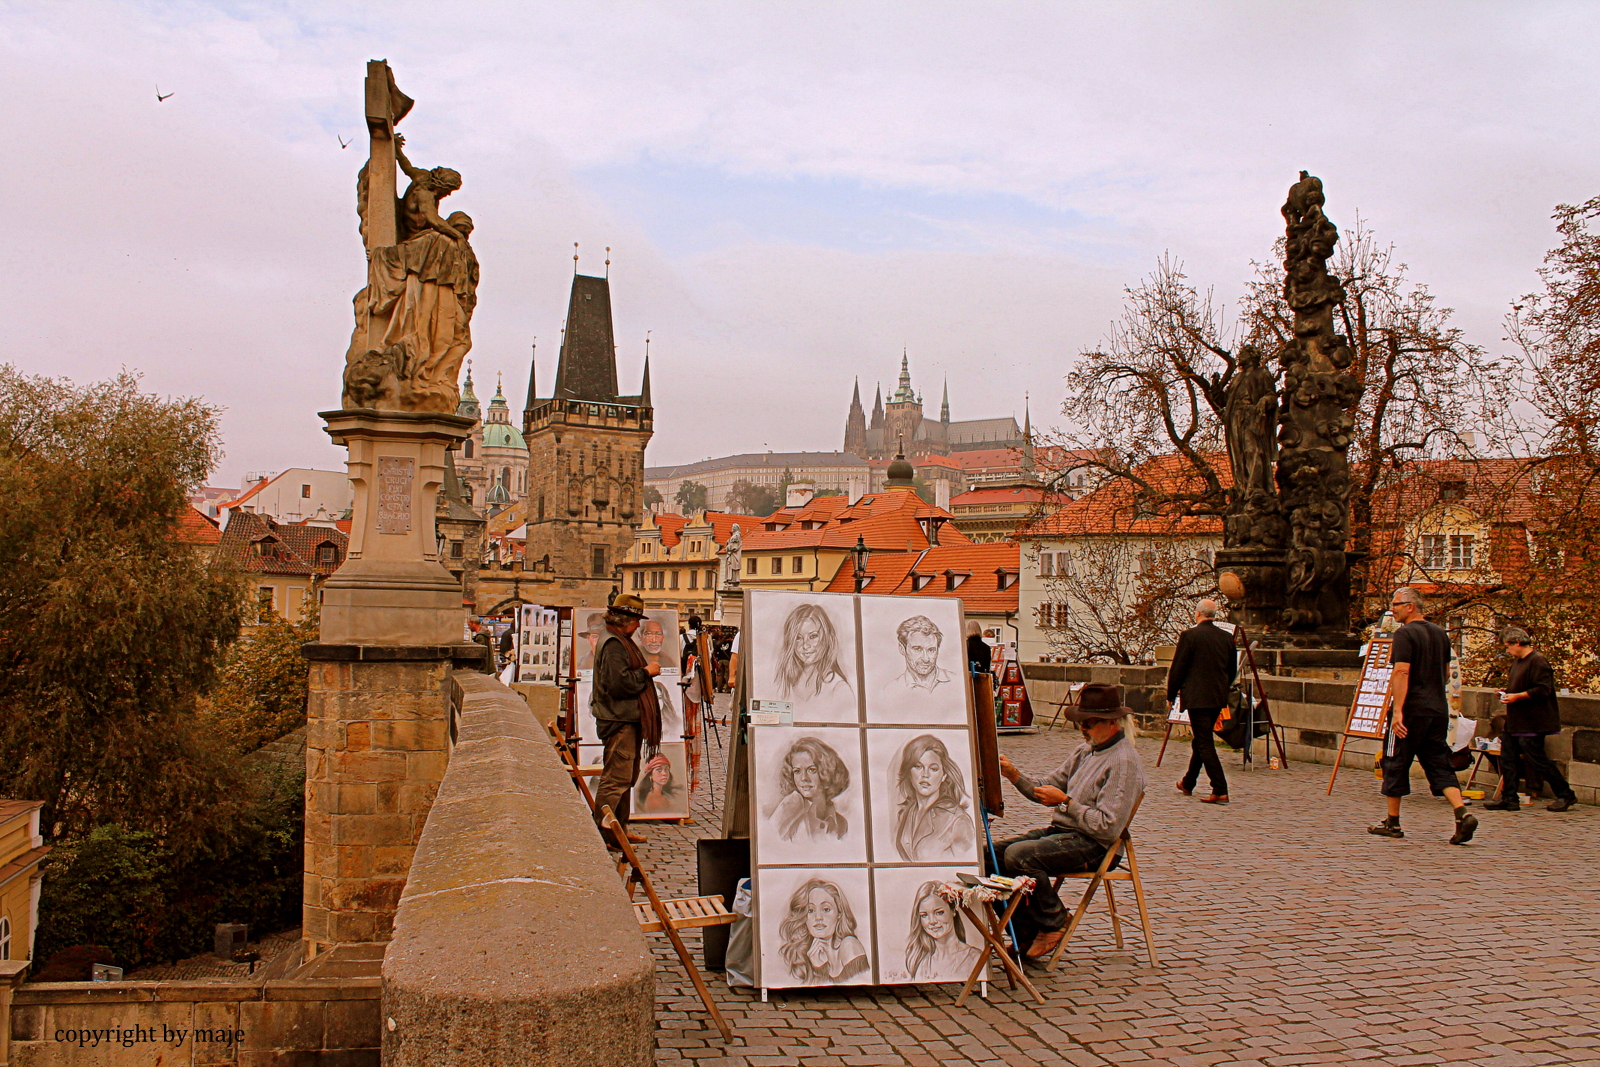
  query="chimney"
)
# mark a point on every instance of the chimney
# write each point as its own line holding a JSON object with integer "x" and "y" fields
{"x": 799, "y": 496}
{"x": 941, "y": 493}
{"x": 856, "y": 488}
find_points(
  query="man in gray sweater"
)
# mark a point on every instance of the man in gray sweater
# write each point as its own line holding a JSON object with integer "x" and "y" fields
{"x": 1093, "y": 794}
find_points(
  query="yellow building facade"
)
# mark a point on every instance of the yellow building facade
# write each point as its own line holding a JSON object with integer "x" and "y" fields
{"x": 21, "y": 851}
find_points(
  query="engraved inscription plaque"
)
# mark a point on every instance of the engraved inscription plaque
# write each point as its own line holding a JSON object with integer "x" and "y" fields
{"x": 394, "y": 493}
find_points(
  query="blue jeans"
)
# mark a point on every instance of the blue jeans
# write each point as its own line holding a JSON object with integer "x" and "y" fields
{"x": 1043, "y": 854}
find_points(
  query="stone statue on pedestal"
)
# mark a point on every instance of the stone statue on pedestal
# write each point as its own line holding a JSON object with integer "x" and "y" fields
{"x": 733, "y": 559}
{"x": 413, "y": 318}
{"x": 1251, "y": 416}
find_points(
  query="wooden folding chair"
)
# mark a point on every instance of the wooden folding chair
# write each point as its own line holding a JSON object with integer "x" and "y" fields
{"x": 1070, "y": 700}
{"x": 1104, "y": 876}
{"x": 669, "y": 916}
{"x": 577, "y": 770}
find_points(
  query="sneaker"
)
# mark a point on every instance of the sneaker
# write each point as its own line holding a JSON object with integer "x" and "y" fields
{"x": 1562, "y": 804}
{"x": 1386, "y": 829}
{"x": 1508, "y": 804}
{"x": 1466, "y": 826}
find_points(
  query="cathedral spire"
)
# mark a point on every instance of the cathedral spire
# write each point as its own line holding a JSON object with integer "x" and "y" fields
{"x": 877, "y": 410}
{"x": 944, "y": 408}
{"x": 903, "y": 394}
{"x": 533, "y": 376}
{"x": 855, "y": 424}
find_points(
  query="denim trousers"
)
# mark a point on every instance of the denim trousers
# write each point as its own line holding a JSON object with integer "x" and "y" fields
{"x": 1041, "y": 855}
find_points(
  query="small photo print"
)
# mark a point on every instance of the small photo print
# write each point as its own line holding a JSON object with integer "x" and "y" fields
{"x": 809, "y": 790}
{"x": 921, "y": 936}
{"x": 914, "y": 661}
{"x": 802, "y": 649}
{"x": 923, "y": 809}
{"x": 816, "y": 927}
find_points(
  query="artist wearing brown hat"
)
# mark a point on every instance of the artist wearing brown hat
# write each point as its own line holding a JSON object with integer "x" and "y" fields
{"x": 1093, "y": 794}
{"x": 626, "y": 713}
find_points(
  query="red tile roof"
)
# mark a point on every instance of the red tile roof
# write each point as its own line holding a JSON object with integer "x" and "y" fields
{"x": 886, "y": 520}
{"x": 988, "y": 459}
{"x": 295, "y": 546}
{"x": 974, "y": 566}
{"x": 196, "y": 528}
{"x": 1014, "y": 494}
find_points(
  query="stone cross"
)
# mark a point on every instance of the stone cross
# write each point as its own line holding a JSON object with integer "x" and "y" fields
{"x": 386, "y": 106}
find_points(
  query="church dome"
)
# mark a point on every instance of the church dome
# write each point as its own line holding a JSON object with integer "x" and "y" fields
{"x": 468, "y": 406}
{"x": 497, "y": 429}
{"x": 901, "y": 473}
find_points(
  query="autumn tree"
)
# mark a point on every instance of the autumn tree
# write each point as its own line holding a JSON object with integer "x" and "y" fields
{"x": 691, "y": 497}
{"x": 110, "y": 625}
{"x": 261, "y": 690}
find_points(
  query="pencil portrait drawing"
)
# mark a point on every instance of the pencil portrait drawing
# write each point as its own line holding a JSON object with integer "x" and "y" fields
{"x": 810, "y": 779}
{"x": 940, "y": 947}
{"x": 812, "y": 665}
{"x": 919, "y": 640}
{"x": 819, "y": 942}
{"x": 933, "y": 820}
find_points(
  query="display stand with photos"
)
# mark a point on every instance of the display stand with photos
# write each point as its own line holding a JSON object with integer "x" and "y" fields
{"x": 854, "y": 775}
{"x": 665, "y": 781}
{"x": 1013, "y": 708}
{"x": 1369, "y": 712}
{"x": 538, "y": 631}
{"x": 1176, "y": 716}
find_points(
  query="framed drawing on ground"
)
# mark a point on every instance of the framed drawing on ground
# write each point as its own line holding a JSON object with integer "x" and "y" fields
{"x": 662, "y": 791}
{"x": 815, "y": 927}
{"x": 914, "y": 660}
{"x": 922, "y": 803}
{"x": 921, "y": 936}
{"x": 809, "y": 795}
{"x": 802, "y": 649}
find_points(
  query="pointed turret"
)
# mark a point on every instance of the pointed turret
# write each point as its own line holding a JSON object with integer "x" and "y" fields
{"x": 903, "y": 394}
{"x": 468, "y": 407}
{"x": 644, "y": 386}
{"x": 944, "y": 408}
{"x": 1028, "y": 468}
{"x": 855, "y": 424}
{"x": 587, "y": 366}
{"x": 533, "y": 383}
{"x": 877, "y": 410}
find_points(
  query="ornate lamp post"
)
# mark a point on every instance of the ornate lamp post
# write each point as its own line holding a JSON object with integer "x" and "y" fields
{"x": 858, "y": 557}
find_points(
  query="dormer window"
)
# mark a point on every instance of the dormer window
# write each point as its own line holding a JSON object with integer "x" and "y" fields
{"x": 267, "y": 548}
{"x": 329, "y": 553}
{"x": 1004, "y": 579}
{"x": 919, "y": 582}
{"x": 953, "y": 580}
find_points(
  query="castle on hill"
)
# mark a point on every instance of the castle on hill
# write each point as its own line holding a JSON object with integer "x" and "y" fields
{"x": 901, "y": 422}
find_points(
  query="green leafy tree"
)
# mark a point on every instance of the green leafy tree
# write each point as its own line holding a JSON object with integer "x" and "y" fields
{"x": 110, "y": 625}
{"x": 652, "y": 496}
{"x": 691, "y": 497}
{"x": 752, "y": 498}
{"x": 261, "y": 693}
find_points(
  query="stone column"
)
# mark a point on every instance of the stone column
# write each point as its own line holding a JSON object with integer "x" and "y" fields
{"x": 378, "y": 717}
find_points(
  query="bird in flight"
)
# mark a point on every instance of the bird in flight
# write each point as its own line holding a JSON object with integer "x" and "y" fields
{"x": 160, "y": 97}
{"x": 342, "y": 142}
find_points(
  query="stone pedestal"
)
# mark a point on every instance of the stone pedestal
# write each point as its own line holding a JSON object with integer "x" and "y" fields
{"x": 378, "y": 718}
{"x": 730, "y": 607}
{"x": 393, "y": 589}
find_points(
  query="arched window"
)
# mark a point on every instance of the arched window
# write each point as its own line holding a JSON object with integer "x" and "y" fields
{"x": 467, "y": 447}
{"x": 5, "y": 937}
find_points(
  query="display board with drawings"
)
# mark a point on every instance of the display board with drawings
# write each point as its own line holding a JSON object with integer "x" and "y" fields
{"x": 863, "y": 781}
{"x": 1370, "y": 709}
{"x": 536, "y": 644}
{"x": 663, "y": 786}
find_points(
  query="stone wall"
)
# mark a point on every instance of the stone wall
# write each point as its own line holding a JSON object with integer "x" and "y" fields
{"x": 514, "y": 941}
{"x": 1313, "y": 713}
{"x": 327, "y": 1015}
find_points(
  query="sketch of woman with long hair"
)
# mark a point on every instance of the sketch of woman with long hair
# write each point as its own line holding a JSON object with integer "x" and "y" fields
{"x": 819, "y": 935}
{"x": 811, "y": 777}
{"x": 933, "y": 822}
{"x": 937, "y": 948}
{"x": 809, "y": 672}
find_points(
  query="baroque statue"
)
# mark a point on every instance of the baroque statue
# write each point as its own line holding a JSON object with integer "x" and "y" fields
{"x": 413, "y": 318}
{"x": 733, "y": 559}
{"x": 1251, "y": 415}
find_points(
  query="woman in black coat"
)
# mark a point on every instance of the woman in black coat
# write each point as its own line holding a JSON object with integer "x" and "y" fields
{"x": 1531, "y": 715}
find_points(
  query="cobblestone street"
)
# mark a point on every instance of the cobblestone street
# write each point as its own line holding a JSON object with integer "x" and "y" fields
{"x": 1287, "y": 935}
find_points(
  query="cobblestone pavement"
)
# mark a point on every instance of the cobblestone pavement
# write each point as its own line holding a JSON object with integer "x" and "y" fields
{"x": 1287, "y": 935}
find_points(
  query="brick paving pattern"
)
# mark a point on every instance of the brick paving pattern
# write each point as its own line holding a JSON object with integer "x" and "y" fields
{"x": 1287, "y": 935}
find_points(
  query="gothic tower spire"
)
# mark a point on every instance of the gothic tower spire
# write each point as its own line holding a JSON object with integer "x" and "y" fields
{"x": 944, "y": 408}
{"x": 855, "y": 424}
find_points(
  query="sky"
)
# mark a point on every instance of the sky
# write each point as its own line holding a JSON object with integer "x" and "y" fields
{"x": 792, "y": 193}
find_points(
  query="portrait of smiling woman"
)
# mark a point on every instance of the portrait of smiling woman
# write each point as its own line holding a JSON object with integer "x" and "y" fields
{"x": 819, "y": 935}
{"x": 937, "y": 948}
{"x": 812, "y": 657}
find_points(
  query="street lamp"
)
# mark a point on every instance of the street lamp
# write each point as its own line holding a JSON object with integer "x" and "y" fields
{"x": 858, "y": 556}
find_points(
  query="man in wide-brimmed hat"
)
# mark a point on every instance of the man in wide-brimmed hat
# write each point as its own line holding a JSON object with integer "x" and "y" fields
{"x": 626, "y": 712}
{"x": 1093, "y": 794}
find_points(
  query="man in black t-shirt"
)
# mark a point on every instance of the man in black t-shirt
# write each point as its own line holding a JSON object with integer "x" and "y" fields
{"x": 1419, "y": 717}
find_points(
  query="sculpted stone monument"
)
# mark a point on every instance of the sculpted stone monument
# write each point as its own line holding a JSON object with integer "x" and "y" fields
{"x": 1285, "y": 561}
{"x": 377, "y": 738}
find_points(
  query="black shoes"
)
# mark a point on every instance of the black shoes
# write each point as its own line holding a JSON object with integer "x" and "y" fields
{"x": 1507, "y": 803}
{"x": 1389, "y": 827}
{"x": 1562, "y": 804}
{"x": 1466, "y": 826}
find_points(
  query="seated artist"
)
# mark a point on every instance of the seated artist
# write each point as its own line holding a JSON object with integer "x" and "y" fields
{"x": 1093, "y": 794}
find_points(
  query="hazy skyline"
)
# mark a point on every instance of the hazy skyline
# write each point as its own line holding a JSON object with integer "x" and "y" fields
{"x": 792, "y": 192}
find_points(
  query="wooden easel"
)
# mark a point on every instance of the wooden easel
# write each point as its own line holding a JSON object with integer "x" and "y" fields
{"x": 1176, "y": 717}
{"x": 989, "y": 925}
{"x": 1369, "y": 712}
{"x": 1274, "y": 733}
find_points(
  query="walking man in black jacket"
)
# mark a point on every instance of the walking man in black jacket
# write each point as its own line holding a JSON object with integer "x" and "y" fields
{"x": 1531, "y": 715}
{"x": 1202, "y": 672}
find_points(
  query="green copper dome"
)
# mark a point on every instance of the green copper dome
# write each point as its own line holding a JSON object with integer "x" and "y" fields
{"x": 497, "y": 429}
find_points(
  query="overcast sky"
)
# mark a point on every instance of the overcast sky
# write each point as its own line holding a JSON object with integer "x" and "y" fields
{"x": 792, "y": 192}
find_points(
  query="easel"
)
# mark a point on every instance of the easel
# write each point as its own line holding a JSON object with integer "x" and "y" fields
{"x": 1369, "y": 712}
{"x": 1175, "y": 717}
{"x": 1274, "y": 732}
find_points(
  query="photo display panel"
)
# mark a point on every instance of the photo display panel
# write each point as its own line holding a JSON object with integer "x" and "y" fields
{"x": 1370, "y": 710}
{"x": 537, "y": 644}
{"x": 863, "y": 780}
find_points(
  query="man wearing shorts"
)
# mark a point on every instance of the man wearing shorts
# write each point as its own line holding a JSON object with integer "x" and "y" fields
{"x": 1419, "y": 717}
